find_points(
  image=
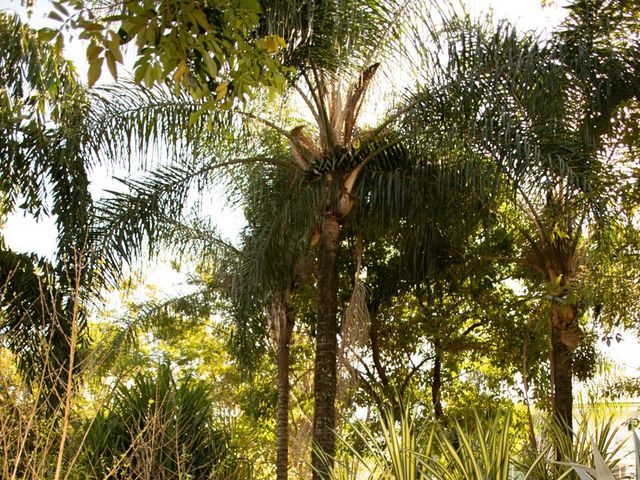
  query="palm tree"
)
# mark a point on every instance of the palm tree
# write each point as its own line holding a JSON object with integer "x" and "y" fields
{"x": 335, "y": 67}
{"x": 336, "y": 51}
{"x": 43, "y": 109}
{"x": 542, "y": 111}
{"x": 336, "y": 167}
{"x": 267, "y": 275}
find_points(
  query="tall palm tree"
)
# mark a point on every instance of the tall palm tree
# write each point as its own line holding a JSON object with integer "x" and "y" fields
{"x": 267, "y": 275}
{"x": 335, "y": 63}
{"x": 542, "y": 109}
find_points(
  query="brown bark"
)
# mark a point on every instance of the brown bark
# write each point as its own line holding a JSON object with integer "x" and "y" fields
{"x": 436, "y": 386}
{"x": 563, "y": 324}
{"x": 285, "y": 326}
{"x": 326, "y": 350}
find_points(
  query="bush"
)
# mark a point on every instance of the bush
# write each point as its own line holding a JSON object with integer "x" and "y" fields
{"x": 158, "y": 429}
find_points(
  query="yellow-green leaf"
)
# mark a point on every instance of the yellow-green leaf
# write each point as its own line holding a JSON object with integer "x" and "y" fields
{"x": 46, "y": 34}
{"x": 180, "y": 71}
{"x": 114, "y": 47}
{"x": 91, "y": 26}
{"x": 111, "y": 64}
{"x": 95, "y": 69}
{"x": 149, "y": 77}
{"x": 93, "y": 51}
{"x": 201, "y": 18}
{"x": 221, "y": 91}
{"x": 194, "y": 117}
{"x": 140, "y": 72}
{"x": 55, "y": 16}
{"x": 61, "y": 8}
{"x": 212, "y": 68}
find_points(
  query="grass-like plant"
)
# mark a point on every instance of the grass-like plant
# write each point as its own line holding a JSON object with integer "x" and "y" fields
{"x": 402, "y": 447}
{"x": 483, "y": 448}
{"x": 395, "y": 448}
{"x": 595, "y": 429}
{"x": 601, "y": 470}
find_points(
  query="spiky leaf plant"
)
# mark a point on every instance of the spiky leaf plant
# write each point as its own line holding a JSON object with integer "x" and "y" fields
{"x": 601, "y": 470}
{"x": 158, "y": 428}
{"x": 403, "y": 448}
{"x": 396, "y": 448}
{"x": 592, "y": 432}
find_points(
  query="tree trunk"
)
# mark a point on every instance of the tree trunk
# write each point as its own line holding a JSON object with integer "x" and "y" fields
{"x": 326, "y": 350}
{"x": 280, "y": 317}
{"x": 436, "y": 385}
{"x": 563, "y": 326}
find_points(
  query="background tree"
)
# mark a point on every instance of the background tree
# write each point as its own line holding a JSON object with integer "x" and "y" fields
{"x": 550, "y": 150}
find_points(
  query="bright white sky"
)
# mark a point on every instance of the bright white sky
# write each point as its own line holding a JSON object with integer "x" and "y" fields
{"x": 24, "y": 234}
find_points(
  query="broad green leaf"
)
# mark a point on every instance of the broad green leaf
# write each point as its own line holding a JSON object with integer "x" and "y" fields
{"x": 93, "y": 51}
{"x": 95, "y": 69}
{"x": 111, "y": 64}
{"x": 140, "y": 72}
{"x": 61, "y": 8}
{"x": 201, "y": 18}
{"x": 90, "y": 26}
{"x": 46, "y": 34}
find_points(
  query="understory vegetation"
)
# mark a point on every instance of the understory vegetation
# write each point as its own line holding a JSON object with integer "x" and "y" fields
{"x": 433, "y": 233}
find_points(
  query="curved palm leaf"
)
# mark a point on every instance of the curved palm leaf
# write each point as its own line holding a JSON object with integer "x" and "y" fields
{"x": 43, "y": 132}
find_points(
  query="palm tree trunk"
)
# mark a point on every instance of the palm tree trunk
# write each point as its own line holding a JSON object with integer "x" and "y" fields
{"x": 436, "y": 385}
{"x": 562, "y": 366}
{"x": 282, "y": 430}
{"x": 324, "y": 418}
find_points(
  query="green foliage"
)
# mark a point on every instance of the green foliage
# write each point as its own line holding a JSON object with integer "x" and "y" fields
{"x": 493, "y": 162}
{"x": 406, "y": 448}
{"x": 210, "y": 50}
{"x": 594, "y": 428}
{"x": 34, "y": 323}
{"x": 44, "y": 165}
{"x": 396, "y": 451}
{"x": 41, "y": 131}
{"x": 158, "y": 428}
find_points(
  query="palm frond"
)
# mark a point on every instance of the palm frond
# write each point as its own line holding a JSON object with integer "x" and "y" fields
{"x": 329, "y": 35}
{"x": 152, "y": 211}
{"x": 131, "y": 122}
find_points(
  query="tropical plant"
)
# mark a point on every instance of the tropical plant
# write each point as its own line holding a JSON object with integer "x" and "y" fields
{"x": 158, "y": 427}
{"x": 395, "y": 451}
{"x": 405, "y": 448}
{"x": 346, "y": 177}
{"x": 529, "y": 105}
{"x": 44, "y": 165}
{"x": 593, "y": 430}
{"x": 601, "y": 470}
{"x": 326, "y": 175}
